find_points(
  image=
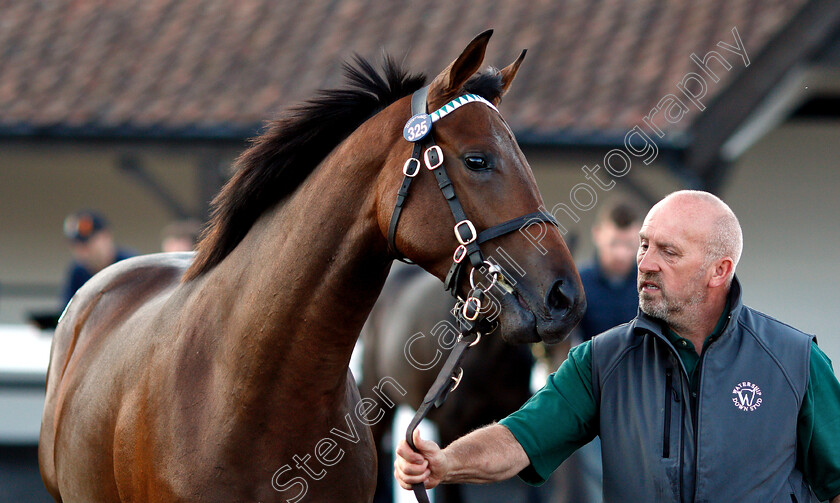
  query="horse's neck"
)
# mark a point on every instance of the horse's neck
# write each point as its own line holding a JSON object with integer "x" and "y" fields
{"x": 303, "y": 281}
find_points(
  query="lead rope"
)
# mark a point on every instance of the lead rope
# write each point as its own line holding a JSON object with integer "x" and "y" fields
{"x": 449, "y": 377}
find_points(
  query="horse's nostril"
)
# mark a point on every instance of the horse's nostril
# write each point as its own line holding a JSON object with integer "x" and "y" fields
{"x": 560, "y": 296}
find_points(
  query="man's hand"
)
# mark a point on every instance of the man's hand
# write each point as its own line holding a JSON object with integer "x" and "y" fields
{"x": 426, "y": 466}
{"x": 489, "y": 454}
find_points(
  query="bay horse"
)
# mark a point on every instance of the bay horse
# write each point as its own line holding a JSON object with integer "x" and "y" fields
{"x": 224, "y": 377}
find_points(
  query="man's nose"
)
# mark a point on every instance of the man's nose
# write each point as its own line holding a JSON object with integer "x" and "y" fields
{"x": 646, "y": 262}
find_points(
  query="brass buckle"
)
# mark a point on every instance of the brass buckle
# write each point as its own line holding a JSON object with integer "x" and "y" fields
{"x": 467, "y": 305}
{"x": 459, "y": 254}
{"x": 436, "y": 150}
{"x": 473, "y": 233}
{"x": 407, "y": 171}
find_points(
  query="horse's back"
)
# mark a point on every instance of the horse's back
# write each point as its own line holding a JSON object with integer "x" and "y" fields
{"x": 93, "y": 355}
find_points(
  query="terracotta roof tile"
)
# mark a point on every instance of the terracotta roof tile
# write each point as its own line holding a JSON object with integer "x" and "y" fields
{"x": 191, "y": 65}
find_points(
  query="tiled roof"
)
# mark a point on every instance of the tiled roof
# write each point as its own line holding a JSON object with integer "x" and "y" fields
{"x": 220, "y": 67}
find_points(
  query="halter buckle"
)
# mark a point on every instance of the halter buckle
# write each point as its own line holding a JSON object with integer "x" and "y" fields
{"x": 411, "y": 167}
{"x": 460, "y": 254}
{"x": 470, "y": 227}
{"x": 433, "y": 156}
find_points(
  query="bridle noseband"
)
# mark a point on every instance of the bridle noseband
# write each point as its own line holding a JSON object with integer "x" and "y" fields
{"x": 468, "y": 312}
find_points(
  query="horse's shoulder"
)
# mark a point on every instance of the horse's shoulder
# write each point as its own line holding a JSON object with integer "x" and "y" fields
{"x": 105, "y": 302}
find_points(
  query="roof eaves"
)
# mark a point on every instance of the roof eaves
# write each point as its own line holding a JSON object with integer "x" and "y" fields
{"x": 190, "y": 132}
{"x": 673, "y": 141}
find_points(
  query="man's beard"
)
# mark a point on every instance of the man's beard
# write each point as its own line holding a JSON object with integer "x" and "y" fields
{"x": 676, "y": 312}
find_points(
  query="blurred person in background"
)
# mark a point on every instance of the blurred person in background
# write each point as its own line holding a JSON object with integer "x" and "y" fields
{"x": 610, "y": 280}
{"x": 180, "y": 236}
{"x": 92, "y": 246}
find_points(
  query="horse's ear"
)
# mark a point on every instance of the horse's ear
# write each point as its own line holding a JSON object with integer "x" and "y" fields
{"x": 445, "y": 86}
{"x": 508, "y": 73}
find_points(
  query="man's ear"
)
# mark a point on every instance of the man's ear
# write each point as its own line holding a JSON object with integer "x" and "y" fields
{"x": 723, "y": 268}
{"x": 445, "y": 86}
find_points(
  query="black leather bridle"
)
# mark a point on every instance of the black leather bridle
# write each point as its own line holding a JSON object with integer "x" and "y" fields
{"x": 418, "y": 130}
{"x": 468, "y": 312}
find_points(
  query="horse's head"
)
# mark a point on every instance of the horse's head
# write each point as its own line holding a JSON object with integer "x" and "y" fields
{"x": 493, "y": 183}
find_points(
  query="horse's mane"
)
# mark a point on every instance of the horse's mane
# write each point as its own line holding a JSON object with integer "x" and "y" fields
{"x": 279, "y": 160}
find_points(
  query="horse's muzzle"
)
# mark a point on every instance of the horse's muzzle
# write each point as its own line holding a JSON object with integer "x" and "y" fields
{"x": 526, "y": 317}
{"x": 565, "y": 304}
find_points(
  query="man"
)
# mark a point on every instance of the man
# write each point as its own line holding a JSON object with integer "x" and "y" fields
{"x": 93, "y": 249}
{"x": 698, "y": 399}
{"x": 610, "y": 281}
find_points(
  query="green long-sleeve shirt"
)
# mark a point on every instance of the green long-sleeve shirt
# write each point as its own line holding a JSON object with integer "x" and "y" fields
{"x": 563, "y": 416}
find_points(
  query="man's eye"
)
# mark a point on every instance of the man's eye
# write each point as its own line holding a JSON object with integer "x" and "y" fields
{"x": 476, "y": 162}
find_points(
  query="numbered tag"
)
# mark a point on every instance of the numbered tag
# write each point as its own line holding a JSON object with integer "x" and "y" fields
{"x": 417, "y": 127}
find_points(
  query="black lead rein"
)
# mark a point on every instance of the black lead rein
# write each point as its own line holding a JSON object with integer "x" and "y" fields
{"x": 418, "y": 130}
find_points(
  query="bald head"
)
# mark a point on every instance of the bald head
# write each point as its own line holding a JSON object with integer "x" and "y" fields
{"x": 689, "y": 245}
{"x": 709, "y": 220}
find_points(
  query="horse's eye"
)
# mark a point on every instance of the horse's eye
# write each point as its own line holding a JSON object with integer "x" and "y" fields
{"x": 476, "y": 162}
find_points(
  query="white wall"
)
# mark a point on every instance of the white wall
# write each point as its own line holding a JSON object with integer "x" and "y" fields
{"x": 786, "y": 193}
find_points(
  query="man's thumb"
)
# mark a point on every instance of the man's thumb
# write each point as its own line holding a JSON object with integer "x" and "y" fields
{"x": 419, "y": 443}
